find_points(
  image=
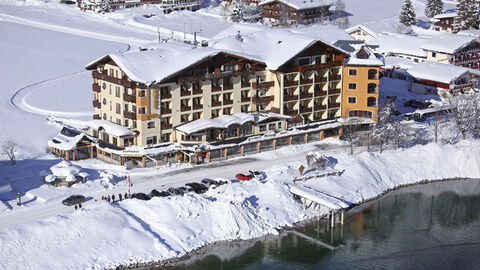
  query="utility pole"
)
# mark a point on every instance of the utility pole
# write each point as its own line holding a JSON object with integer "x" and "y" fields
{"x": 158, "y": 31}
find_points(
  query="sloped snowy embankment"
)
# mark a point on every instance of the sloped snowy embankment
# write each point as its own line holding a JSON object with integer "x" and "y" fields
{"x": 106, "y": 235}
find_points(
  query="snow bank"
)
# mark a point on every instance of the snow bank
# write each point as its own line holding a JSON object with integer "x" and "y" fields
{"x": 106, "y": 235}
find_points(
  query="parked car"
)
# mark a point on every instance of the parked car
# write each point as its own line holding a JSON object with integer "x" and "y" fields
{"x": 198, "y": 188}
{"x": 156, "y": 193}
{"x": 140, "y": 196}
{"x": 74, "y": 199}
{"x": 186, "y": 189}
{"x": 244, "y": 176}
{"x": 260, "y": 176}
{"x": 417, "y": 104}
{"x": 175, "y": 191}
{"x": 210, "y": 183}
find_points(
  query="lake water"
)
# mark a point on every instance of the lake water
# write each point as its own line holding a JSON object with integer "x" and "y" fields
{"x": 431, "y": 226}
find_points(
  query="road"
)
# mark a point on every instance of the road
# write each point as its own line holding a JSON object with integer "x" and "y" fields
{"x": 226, "y": 169}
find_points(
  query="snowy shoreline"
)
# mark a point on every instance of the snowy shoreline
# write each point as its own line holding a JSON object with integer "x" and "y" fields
{"x": 136, "y": 233}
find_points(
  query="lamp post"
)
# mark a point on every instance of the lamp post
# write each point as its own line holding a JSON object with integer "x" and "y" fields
{"x": 19, "y": 200}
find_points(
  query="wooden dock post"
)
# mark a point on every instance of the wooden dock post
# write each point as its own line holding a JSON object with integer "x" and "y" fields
{"x": 342, "y": 215}
{"x": 333, "y": 218}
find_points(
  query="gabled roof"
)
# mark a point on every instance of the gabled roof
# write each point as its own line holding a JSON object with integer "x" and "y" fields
{"x": 400, "y": 44}
{"x": 274, "y": 47}
{"x": 445, "y": 15}
{"x": 354, "y": 47}
{"x": 361, "y": 27}
{"x": 437, "y": 72}
{"x": 300, "y": 4}
{"x": 448, "y": 43}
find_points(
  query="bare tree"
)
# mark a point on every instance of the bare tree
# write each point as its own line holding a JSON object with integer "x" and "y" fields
{"x": 9, "y": 148}
{"x": 350, "y": 127}
{"x": 384, "y": 130}
{"x": 463, "y": 112}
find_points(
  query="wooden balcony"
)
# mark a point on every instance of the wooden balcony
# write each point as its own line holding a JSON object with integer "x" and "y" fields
{"x": 312, "y": 67}
{"x": 305, "y": 109}
{"x": 212, "y": 76}
{"x": 166, "y": 111}
{"x": 320, "y": 79}
{"x": 166, "y": 96}
{"x": 320, "y": 93}
{"x": 334, "y": 77}
{"x": 227, "y": 102}
{"x": 227, "y": 87}
{"x": 96, "y": 104}
{"x": 166, "y": 126}
{"x": 306, "y": 81}
{"x": 103, "y": 76}
{"x": 185, "y": 108}
{"x": 245, "y": 99}
{"x": 130, "y": 115}
{"x": 197, "y": 106}
{"x": 246, "y": 85}
{"x": 185, "y": 93}
{"x": 290, "y": 112}
{"x": 197, "y": 91}
{"x": 96, "y": 117}
{"x": 96, "y": 88}
{"x": 216, "y": 103}
{"x": 333, "y": 105}
{"x": 216, "y": 88}
{"x": 319, "y": 107}
{"x": 265, "y": 99}
{"x": 129, "y": 98}
{"x": 334, "y": 91}
{"x": 290, "y": 98}
{"x": 290, "y": 83}
{"x": 306, "y": 95}
{"x": 262, "y": 85}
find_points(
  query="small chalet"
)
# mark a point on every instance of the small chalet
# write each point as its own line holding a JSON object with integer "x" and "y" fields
{"x": 296, "y": 11}
{"x": 361, "y": 32}
{"x": 65, "y": 174}
{"x": 443, "y": 22}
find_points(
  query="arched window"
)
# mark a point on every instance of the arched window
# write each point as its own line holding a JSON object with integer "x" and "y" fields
{"x": 371, "y": 102}
{"x": 372, "y": 74}
{"x": 372, "y": 88}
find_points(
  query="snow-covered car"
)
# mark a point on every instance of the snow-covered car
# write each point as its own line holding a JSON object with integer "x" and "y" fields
{"x": 140, "y": 196}
{"x": 244, "y": 176}
{"x": 175, "y": 191}
{"x": 74, "y": 199}
{"x": 186, "y": 189}
{"x": 260, "y": 176}
{"x": 210, "y": 183}
{"x": 156, "y": 193}
{"x": 198, "y": 188}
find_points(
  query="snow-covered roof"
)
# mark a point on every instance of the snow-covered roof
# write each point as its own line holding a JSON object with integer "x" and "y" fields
{"x": 438, "y": 72}
{"x": 64, "y": 168}
{"x": 155, "y": 65}
{"x": 448, "y": 43}
{"x": 300, "y": 4}
{"x": 400, "y": 44}
{"x": 68, "y": 138}
{"x": 274, "y": 47}
{"x": 224, "y": 121}
{"x": 354, "y": 47}
{"x": 470, "y": 32}
{"x": 361, "y": 27}
{"x": 111, "y": 128}
{"x": 445, "y": 15}
{"x": 392, "y": 62}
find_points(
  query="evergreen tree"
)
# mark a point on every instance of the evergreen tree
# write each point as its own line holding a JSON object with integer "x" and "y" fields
{"x": 236, "y": 11}
{"x": 467, "y": 15}
{"x": 407, "y": 15}
{"x": 433, "y": 7}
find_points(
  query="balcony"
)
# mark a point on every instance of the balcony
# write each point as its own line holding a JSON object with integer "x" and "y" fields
{"x": 334, "y": 91}
{"x": 320, "y": 79}
{"x": 290, "y": 112}
{"x": 166, "y": 126}
{"x": 334, "y": 77}
{"x": 130, "y": 115}
{"x": 216, "y": 103}
{"x": 290, "y": 98}
{"x": 185, "y": 108}
{"x": 96, "y": 88}
{"x": 305, "y": 109}
{"x": 227, "y": 87}
{"x": 266, "y": 99}
{"x": 262, "y": 85}
{"x": 96, "y": 104}
{"x": 166, "y": 95}
{"x": 185, "y": 93}
{"x": 306, "y": 81}
{"x": 245, "y": 99}
{"x": 245, "y": 85}
{"x": 105, "y": 77}
{"x": 332, "y": 105}
{"x": 227, "y": 101}
{"x": 319, "y": 93}
{"x": 306, "y": 95}
{"x": 319, "y": 107}
{"x": 96, "y": 117}
{"x": 313, "y": 67}
{"x": 216, "y": 88}
{"x": 129, "y": 98}
{"x": 212, "y": 76}
{"x": 197, "y": 91}
{"x": 197, "y": 106}
{"x": 290, "y": 83}
{"x": 166, "y": 111}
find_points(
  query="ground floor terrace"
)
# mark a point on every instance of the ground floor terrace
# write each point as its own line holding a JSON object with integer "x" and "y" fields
{"x": 168, "y": 153}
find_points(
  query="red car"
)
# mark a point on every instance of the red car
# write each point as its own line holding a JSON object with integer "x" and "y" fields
{"x": 244, "y": 177}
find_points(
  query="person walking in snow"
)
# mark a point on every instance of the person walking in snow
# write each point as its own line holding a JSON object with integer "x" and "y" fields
{"x": 76, "y": 207}
{"x": 125, "y": 196}
{"x": 113, "y": 198}
{"x": 80, "y": 205}
{"x": 120, "y": 196}
{"x": 108, "y": 198}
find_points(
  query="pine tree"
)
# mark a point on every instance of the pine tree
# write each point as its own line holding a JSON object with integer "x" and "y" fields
{"x": 467, "y": 15}
{"x": 433, "y": 7}
{"x": 236, "y": 12}
{"x": 407, "y": 15}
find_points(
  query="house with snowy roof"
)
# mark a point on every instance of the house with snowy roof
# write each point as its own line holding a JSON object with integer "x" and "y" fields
{"x": 402, "y": 46}
{"x": 167, "y": 5}
{"x": 443, "y": 22}
{"x": 442, "y": 79}
{"x": 296, "y": 11}
{"x": 458, "y": 50}
{"x": 361, "y": 32}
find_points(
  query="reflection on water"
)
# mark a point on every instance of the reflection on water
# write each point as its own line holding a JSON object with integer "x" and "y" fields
{"x": 432, "y": 226}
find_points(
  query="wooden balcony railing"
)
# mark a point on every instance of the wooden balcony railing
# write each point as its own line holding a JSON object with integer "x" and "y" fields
{"x": 166, "y": 126}
{"x": 197, "y": 106}
{"x": 129, "y": 98}
{"x": 320, "y": 79}
{"x": 305, "y": 109}
{"x": 245, "y": 99}
{"x": 227, "y": 101}
{"x": 334, "y": 77}
{"x": 262, "y": 85}
{"x": 334, "y": 91}
{"x": 318, "y": 107}
{"x": 216, "y": 88}
{"x": 265, "y": 99}
{"x": 245, "y": 84}
{"x": 333, "y": 105}
{"x": 290, "y": 112}
{"x": 96, "y": 117}
{"x": 185, "y": 93}
{"x": 306, "y": 81}
{"x": 166, "y": 111}
{"x": 185, "y": 108}
{"x": 103, "y": 76}
{"x": 320, "y": 93}
{"x": 97, "y": 104}
{"x": 130, "y": 115}
{"x": 227, "y": 87}
{"x": 96, "y": 88}
{"x": 312, "y": 67}
{"x": 216, "y": 103}
{"x": 166, "y": 96}
{"x": 197, "y": 91}
{"x": 306, "y": 95}
{"x": 290, "y": 98}
{"x": 290, "y": 83}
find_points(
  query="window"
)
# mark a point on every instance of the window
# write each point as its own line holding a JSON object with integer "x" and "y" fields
{"x": 371, "y": 102}
{"x": 141, "y": 93}
{"x": 415, "y": 60}
{"x": 304, "y": 61}
{"x": 118, "y": 108}
{"x": 151, "y": 124}
{"x": 434, "y": 54}
{"x": 141, "y": 110}
{"x": 104, "y": 101}
{"x": 117, "y": 91}
{"x": 352, "y": 86}
{"x": 352, "y": 100}
{"x": 104, "y": 116}
{"x": 111, "y": 105}
{"x": 271, "y": 126}
{"x": 126, "y": 122}
{"x": 279, "y": 125}
{"x": 104, "y": 85}
{"x": 119, "y": 121}
{"x": 152, "y": 140}
{"x": 352, "y": 72}
{"x": 263, "y": 128}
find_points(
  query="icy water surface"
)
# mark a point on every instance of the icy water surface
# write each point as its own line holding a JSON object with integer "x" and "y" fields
{"x": 431, "y": 226}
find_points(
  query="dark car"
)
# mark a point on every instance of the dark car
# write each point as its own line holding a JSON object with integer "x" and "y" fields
{"x": 417, "y": 104}
{"x": 74, "y": 199}
{"x": 156, "y": 193}
{"x": 140, "y": 196}
{"x": 198, "y": 188}
{"x": 174, "y": 191}
{"x": 210, "y": 183}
